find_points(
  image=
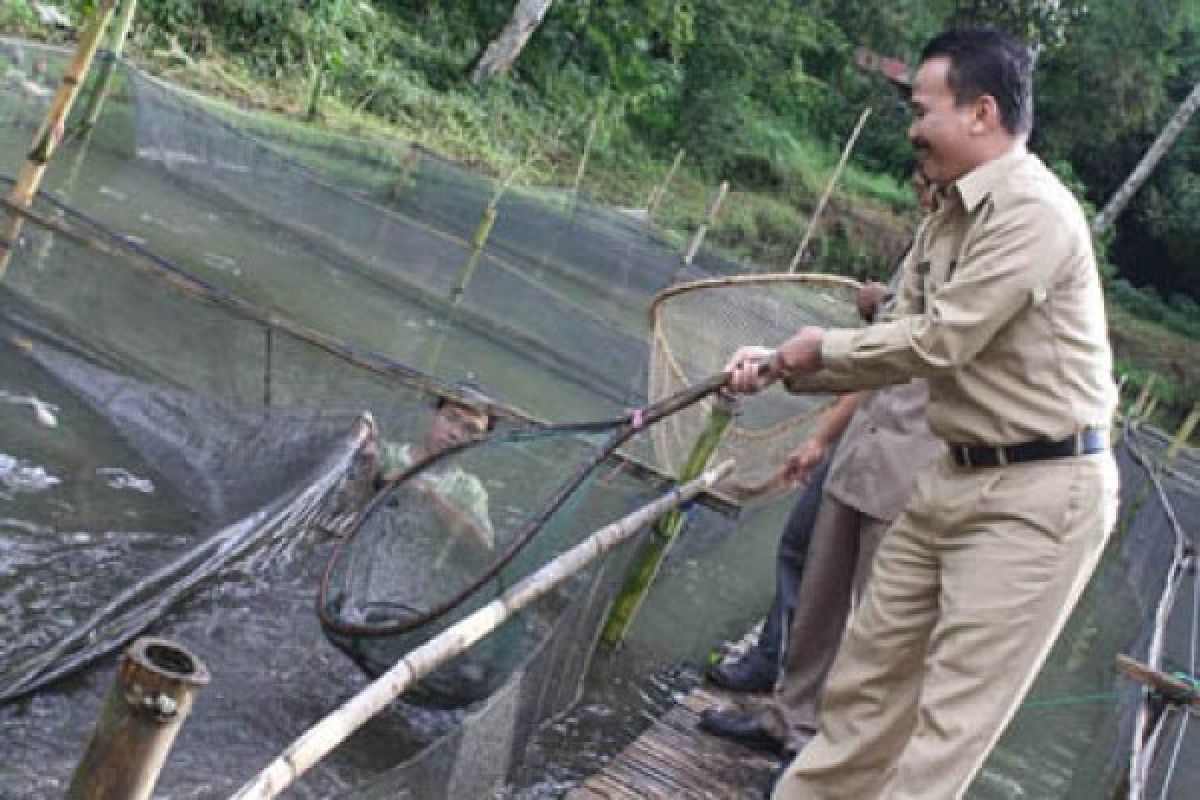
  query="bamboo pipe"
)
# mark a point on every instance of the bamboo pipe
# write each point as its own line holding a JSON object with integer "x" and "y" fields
{"x": 479, "y": 240}
{"x": 825, "y": 195}
{"x": 593, "y": 127}
{"x": 108, "y": 68}
{"x": 1184, "y": 433}
{"x": 641, "y": 575}
{"x": 50, "y": 134}
{"x": 660, "y": 191}
{"x": 327, "y": 734}
{"x": 153, "y": 693}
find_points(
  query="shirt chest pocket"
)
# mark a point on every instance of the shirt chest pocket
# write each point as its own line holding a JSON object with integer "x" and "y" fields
{"x": 931, "y": 276}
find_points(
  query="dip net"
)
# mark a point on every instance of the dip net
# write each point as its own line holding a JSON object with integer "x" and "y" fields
{"x": 695, "y": 327}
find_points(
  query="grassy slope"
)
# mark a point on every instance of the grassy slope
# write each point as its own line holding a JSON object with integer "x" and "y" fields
{"x": 865, "y": 226}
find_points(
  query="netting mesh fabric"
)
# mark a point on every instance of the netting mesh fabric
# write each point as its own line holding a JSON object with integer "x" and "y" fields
{"x": 695, "y": 327}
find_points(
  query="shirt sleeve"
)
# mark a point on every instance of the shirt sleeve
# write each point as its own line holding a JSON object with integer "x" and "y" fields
{"x": 1009, "y": 255}
{"x": 472, "y": 498}
{"x": 393, "y": 457}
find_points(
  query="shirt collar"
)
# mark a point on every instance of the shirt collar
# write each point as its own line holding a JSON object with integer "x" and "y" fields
{"x": 979, "y": 182}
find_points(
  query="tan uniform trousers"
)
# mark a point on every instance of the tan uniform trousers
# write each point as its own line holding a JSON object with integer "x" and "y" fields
{"x": 839, "y": 558}
{"x": 969, "y": 589}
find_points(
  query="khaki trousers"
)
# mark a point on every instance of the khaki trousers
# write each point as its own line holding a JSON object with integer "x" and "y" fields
{"x": 840, "y": 551}
{"x": 969, "y": 589}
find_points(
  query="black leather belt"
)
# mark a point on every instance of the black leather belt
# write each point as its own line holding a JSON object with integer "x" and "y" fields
{"x": 1089, "y": 440}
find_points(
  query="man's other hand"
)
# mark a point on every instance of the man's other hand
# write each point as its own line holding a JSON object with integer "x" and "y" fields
{"x": 800, "y": 463}
{"x": 870, "y": 299}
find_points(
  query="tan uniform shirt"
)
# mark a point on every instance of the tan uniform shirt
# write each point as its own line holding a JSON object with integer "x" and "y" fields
{"x": 885, "y": 446}
{"x": 1001, "y": 310}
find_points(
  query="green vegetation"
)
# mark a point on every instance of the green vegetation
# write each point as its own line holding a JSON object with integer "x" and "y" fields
{"x": 763, "y": 95}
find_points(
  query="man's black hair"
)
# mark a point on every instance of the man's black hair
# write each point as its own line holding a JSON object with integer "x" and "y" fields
{"x": 469, "y": 395}
{"x": 988, "y": 61}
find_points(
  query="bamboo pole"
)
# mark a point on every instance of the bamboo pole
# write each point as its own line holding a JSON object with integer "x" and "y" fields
{"x": 411, "y": 159}
{"x": 1184, "y": 433}
{"x": 641, "y": 575}
{"x": 331, "y": 731}
{"x": 1118, "y": 420}
{"x": 587, "y": 151}
{"x": 710, "y": 217}
{"x": 825, "y": 195}
{"x": 1150, "y": 408}
{"x": 108, "y": 67}
{"x": 1139, "y": 405}
{"x": 314, "y": 94}
{"x": 149, "y": 701}
{"x": 659, "y": 191}
{"x": 479, "y": 240}
{"x": 51, "y": 132}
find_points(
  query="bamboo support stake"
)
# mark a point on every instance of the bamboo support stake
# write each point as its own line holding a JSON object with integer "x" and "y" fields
{"x": 825, "y": 195}
{"x": 331, "y": 731}
{"x": 479, "y": 240}
{"x": 659, "y": 192}
{"x": 1118, "y": 426}
{"x": 50, "y": 134}
{"x": 587, "y": 151}
{"x": 314, "y": 94}
{"x": 1184, "y": 433}
{"x": 1151, "y": 407}
{"x": 411, "y": 159}
{"x": 645, "y": 569}
{"x": 152, "y": 696}
{"x": 1139, "y": 405}
{"x": 710, "y": 217}
{"x": 108, "y": 67}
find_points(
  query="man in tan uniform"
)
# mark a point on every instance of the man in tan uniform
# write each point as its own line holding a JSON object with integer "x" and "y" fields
{"x": 1003, "y": 314}
{"x": 884, "y": 442}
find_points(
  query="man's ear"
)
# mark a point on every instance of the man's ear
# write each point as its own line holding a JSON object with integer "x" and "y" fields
{"x": 985, "y": 114}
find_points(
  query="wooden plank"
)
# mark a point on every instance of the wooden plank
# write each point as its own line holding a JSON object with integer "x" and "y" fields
{"x": 675, "y": 759}
{"x": 1169, "y": 686}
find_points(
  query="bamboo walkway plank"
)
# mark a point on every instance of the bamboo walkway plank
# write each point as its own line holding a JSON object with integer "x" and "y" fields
{"x": 675, "y": 759}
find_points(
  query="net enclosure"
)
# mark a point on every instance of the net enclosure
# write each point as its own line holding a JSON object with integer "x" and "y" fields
{"x": 208, "y": 348}
{"x": 206, "y": 300}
